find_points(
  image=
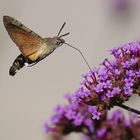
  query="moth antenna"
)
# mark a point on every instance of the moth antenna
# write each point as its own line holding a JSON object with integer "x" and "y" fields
{"x": 81, "y": 55}
{"x": 64, "y": 34}
{"x": 61, "y": 28}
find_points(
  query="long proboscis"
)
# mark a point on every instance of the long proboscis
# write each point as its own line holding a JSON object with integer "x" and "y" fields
{"x": 81, "y": 55}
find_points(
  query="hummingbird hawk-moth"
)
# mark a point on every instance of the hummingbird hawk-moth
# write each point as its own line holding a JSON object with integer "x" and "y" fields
{"x": 33, "y": 47}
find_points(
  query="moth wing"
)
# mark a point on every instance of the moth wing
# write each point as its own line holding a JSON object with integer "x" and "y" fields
{"x": 27, "y": 41}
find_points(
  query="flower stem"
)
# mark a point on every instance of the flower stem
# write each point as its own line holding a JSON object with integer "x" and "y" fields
{"x": 128, "y": 108}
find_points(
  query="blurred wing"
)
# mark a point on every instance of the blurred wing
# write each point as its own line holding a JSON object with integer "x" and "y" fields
{"x": 27, "y": 41}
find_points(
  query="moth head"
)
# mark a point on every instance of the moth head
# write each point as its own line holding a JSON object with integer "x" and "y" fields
{"x": 58, "y": 40}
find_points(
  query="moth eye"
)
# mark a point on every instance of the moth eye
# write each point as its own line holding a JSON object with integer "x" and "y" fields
{"x": 58, "y": 42}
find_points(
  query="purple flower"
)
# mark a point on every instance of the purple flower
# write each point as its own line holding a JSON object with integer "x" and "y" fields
{"x": 74, "y": 116}
{"x": 110, "y": 94}
{"x": 102, "y": 73}
{"x": 46, "y": 128}
{"x": 114, "y": 80}
{"x": 78, "y": 119}
{"x": 89, "y": 123}
{"x": 99, "y": 87}
{"x": 128, "y": 90}
{"x": 138, "y": 73}
{"x": 130, "y": 73}
{"x": 70, "y": 114}
{"x": 129, "y": 81}
{"x": 107, "y": 84}
{"x": 127, "y": 123}
{"x": 96, "y": 115}
{"x": 117, "y": 72}
{"x": 68, "y": 97}
{"x": 112, "y": 83}
{"x": 101, "y": 132}
{"x": 94, "y": 111}
{"x": 82, "y": 95}
{"x": 126, "y": 64}
{"x": 116, "y": 90}
{"x": 117, "y": 115}
{"x": 56, "y": 119}
{"x": 60, "y": 109}
{"x": 133, "y": 61}
{"x": 114, "y": 127}
{"x": 103, "y": 97}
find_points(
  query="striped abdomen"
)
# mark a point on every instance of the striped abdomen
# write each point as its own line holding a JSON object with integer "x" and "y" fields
{"x": 18, "y": 64}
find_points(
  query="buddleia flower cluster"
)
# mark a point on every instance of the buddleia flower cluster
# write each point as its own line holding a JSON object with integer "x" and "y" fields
{"x": 74, "y": 117}
{"x": 71, "y": 117}
{"x": 113, "y": 82}
{"x": 109, "y": 85}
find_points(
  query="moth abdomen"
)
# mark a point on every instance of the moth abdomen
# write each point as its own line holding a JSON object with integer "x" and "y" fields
{"x": 17, "y": 65}
{"x": 12, "y": 70}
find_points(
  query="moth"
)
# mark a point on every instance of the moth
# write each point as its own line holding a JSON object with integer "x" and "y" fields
{"x": 33, "y": 47}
